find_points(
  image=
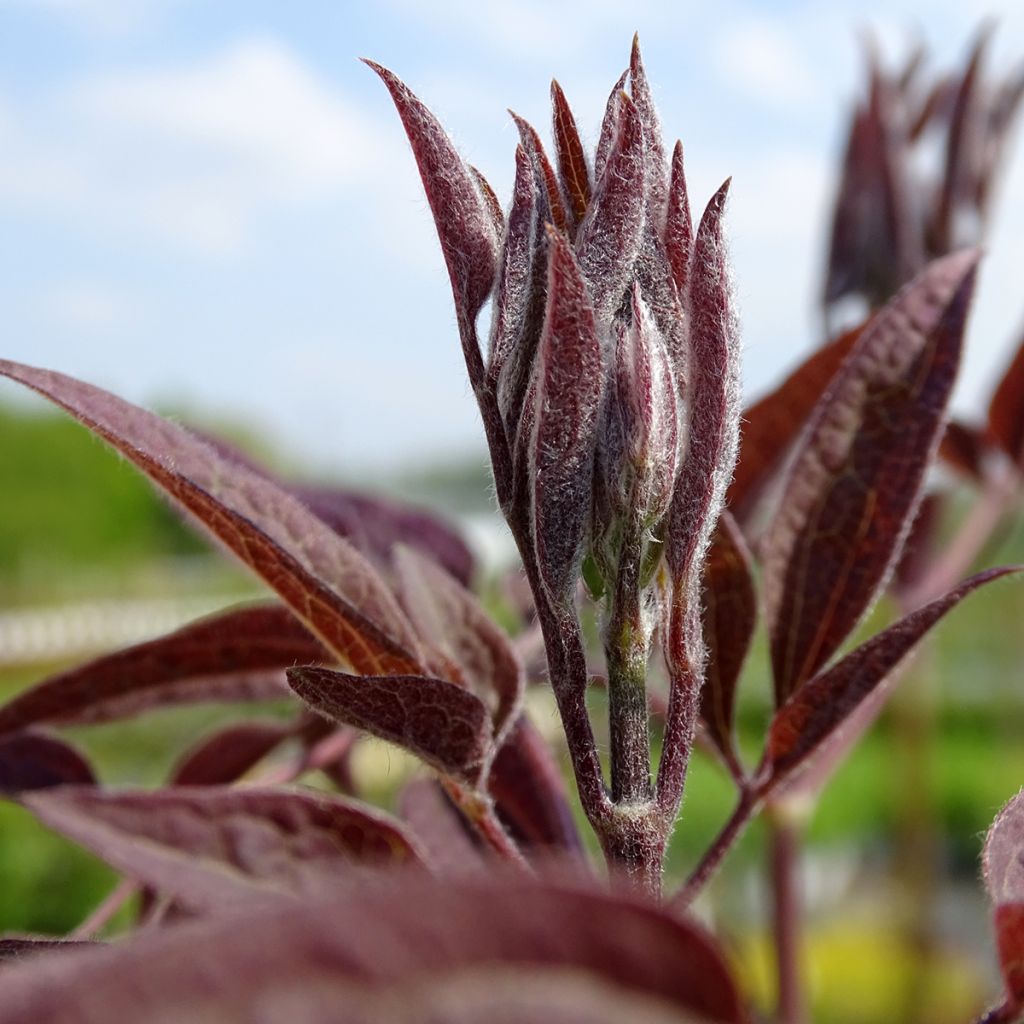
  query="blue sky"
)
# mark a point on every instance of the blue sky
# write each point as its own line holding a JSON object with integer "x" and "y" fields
{"x": 212, "y": 204}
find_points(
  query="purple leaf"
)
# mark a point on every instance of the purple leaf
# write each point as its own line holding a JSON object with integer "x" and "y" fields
{"x": 450, "y": 619}
{"x": 510, "y": 354}
{"x": 438, "y": 721}
{"x": 640, "y": 90}
{"x": 226, "y": 848}
{"x": 678, "y": 225}
{"x": 1006, "y": 410}
{"x": 714, "y": 398}
{"x": 772, "y": 424}
{"x": 416, "y": 951}
{"x": 816, "y": 712}
{"x": 464, "y": 223}
{"x": 16, "y": 948}
{"x": 874, "y": 246}
{"x": 321, "y": 577}
{"x": 447, "y": 837}
{"x": 544, "y": 174}
{"x": 853, "y": 489}
{"x": 571, "y": 384}
{"x": 529, "y": 791}
{"x": 376, "y": 525}
{"x": 730, "y": 615}
{"x": 608, "y": 242}
{"x": 965, "y": 448}
{"x": 221, "y": 657}
{"x": 609, "y": 126}
{"x": 572, "y": 161}
{"x": 229, "y": 753}
{"x": 1008, "y": 921}
{"x": 31, "y": 760}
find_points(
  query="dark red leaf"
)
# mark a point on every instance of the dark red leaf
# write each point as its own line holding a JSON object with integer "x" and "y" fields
{"x": 875, "y": 244}
{"x": 1008, "y": 920}
{"x": 572, "y": 162}
{"x": 963, "y": 144}
{"x": 229, "y": 753}
{"x": 730, "y": 615}
{"x": 678, "y": 225}
{"x": 640, "y": 91}
{"x": 447, "y": 837}
{"x": 221, "y": 657}
{"x": 530, "y": 793}
{"x": 1006, "y": 410}
{"x": 226, "y": 848}
{"x": 714, "y": 396}
{"x": 609, "y": 126}
{"x": 402, "y": 946}
{"x": 570, "y": 383}
{"x": 918, "y": 556}
{"x": 16, "y": 948}
{"x": 609, "y": 237}
{"x": 491, "y": 199}
{"x": 375, "y": 525}
{"x": 771, "y": 425}
{"x": 438, "y": 721}
{"x": 514, "y": 294}
{"x": 965, "y": 449}
{"x": 821, "y": 707}
{"x": 464, "y": 222}
{"x": 451, "y": 621}
{"x": 853, "y": 489}
{"x": 544, "y": 173}
{"x": 31, "y": 760}
{"x": 318, "y": 574}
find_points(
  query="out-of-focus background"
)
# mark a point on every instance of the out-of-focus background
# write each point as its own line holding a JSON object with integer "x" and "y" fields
{"x": 211, "y": 209}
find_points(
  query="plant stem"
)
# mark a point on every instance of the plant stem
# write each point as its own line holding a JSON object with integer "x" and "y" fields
{"x": 626, "y": 647}
{"x": 479, "y": 810}
{"x": 634, "y": 841}
{"x": 715, "y": 853}
{"x": 567, "y": 670}
{"x": 685, "y": 678}
{"x": 105, "y": 912}
{"x": 787, "y": 910}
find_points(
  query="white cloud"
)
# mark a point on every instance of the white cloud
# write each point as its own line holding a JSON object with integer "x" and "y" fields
{"x": 195, "y": 154}
{"x": 256, "y": 102}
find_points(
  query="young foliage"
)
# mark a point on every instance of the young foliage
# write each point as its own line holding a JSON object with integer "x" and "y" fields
{"x": 851, "y": 494}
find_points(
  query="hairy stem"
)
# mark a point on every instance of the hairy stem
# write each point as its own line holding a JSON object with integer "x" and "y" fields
{"x": 787, "y": 911}
{"x": 626, "y": 645}
{"x": 715, "y": 853}
{"x": 567, "y": 669}
{"x": 683, "y": 704}
{"x": 479, "y": 810}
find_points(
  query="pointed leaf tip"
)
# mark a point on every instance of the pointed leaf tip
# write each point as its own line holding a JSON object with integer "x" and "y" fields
{"x": 462, "y": 214}
{"x": 814, "y": 715}
{"x": 855, "y": 481}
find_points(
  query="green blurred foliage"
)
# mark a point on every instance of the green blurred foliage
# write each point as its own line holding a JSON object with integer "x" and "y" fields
{"x": 69, "y": 502}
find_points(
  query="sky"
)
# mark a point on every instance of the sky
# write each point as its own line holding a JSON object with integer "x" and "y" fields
{"x": 212, "y": 206}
